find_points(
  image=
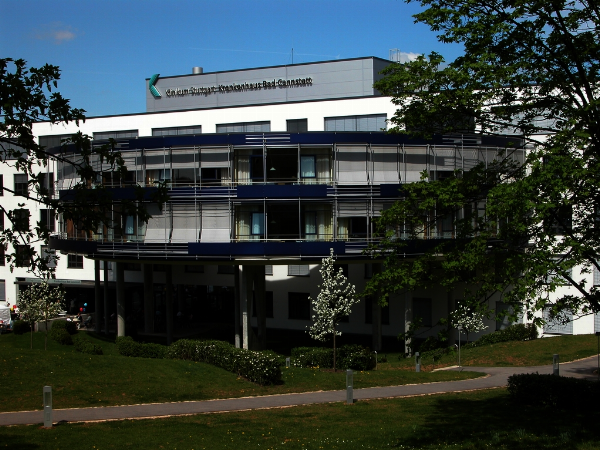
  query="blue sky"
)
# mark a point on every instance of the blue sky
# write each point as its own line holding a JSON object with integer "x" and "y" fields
{"x": 106, "y": 49}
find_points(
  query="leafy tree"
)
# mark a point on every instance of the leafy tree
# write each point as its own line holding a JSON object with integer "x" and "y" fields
{"x": 333, "y": 303}
{"x": 467, "y": 320}
{"x": 26, "y": 96}
{"x": 521, "y": 228}
{"x": 39, "y": 302}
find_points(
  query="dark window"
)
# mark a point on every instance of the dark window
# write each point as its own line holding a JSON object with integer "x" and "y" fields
{"x": 47, "y": 183}
{"x": 196, "y": 268}
{"x": 20, "y": 220}
{"x": 368, "y": 271}
{"x": 160, "y": 268}
{"x": 24, "y": 254}
{"x": 422, "y": 310}
{"x": 1, "y": 184}
{"x": 298, "y": 270}
{"x": 125, "y": 134}
{"x": 298, "y": 306}
{"x": 49, "y": 255}
{"x": 385, "y": 312}
{"x": 47, "y": 219}
{"x": 372, "y": 122}
{"x": 256, "y": 167}
{"x": 358, "y": 227}
{"x": 53, "y": 141}
{"x": 344, "y": 268}
{"x": 268, "y": 269}
{"x": 21, "y": 184}
{"x": 2, "y": 291}
{"x": 211, "y": 175}
{"x": 297, "y": 125}
{"x": 268, "y": 305}
{"x": 134, "y": 267}
{"x": 225, "y": 269}
{"x": 177, "y": 131}
{"x": 244, "y": 127}
{"x": 2, "y": 256}
{"x": 75, "y": 261}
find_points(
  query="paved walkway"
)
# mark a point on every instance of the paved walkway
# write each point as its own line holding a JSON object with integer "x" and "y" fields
{"x": 497, "y": 377}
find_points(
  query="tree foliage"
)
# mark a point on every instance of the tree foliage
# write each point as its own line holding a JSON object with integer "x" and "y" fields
{"x": 520, "y": 229}
{"x": 334, "y": 302}
{"x": 40, "y": 303}
{"x": 28, "y": 95}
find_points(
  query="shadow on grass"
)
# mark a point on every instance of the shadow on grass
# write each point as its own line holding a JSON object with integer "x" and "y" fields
{"x": 484, "y": 421}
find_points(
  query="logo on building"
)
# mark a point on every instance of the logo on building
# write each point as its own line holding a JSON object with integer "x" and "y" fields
{"x": 152, "y": 87}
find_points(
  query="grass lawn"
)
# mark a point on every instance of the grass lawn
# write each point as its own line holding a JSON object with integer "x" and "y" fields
{"x": 475, "y": 420}
{"x": 80, "y": 380}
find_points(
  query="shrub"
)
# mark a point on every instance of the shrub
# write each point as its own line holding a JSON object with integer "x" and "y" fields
{"x": 431, "y": 343}
{"x": 355, "y": 357}
{"x": 516, "y": 332}
{"x": 60, "y": 335}
{"x": 552, "y": 391}
{"x": 259, "y": 367}
{"x": 312, "y": 357}
{"x": 84, "y": 346}
{"x": 126, "y": 346}
{"x": 70, "y": 327}
{"x": 20, "y": 327}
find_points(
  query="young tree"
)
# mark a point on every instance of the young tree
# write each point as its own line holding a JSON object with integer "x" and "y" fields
{"x": 333, "y": 303}
{"x": 467, "y": 320}
{"x": 530, "y": 70}
{"x": 26, "y": 96}
{"x": 39, "y": 302}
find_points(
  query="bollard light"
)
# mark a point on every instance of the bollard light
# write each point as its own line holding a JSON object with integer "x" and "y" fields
{"x": 417, "y": 362}
{"x": 349, "y": 389}
{"x": 287, "y": 363}
{"x": 375, "y": 359}
{"x": 555, "y": 364}
{"x": 47, "y": 393}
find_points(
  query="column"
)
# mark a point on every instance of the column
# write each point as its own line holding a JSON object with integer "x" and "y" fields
{"x": 376, "y": 315}
{"x": 408, "y": 317}
{"x": 97, "y": 296}
{"x": 236, "y": 307}
{"x": 148, "y": 299}
{"x": 106, "y": 318}
{"x": 246, "y": 286}
{"x": 169, "y": 303}
{"x": 261, "y": 309}
{"x": 120, "y": 298}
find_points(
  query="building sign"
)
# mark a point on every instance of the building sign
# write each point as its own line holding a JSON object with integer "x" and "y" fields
{"x": 276, "y": 83}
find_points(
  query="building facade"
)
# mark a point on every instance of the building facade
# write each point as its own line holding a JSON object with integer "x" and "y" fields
{"x": 268, "y": 169}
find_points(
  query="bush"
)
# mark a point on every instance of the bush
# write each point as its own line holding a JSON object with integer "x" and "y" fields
{"x": 431, "y": 343}
{"x": 555, "y": 392}
{"x": 126, "y": 346}
{"x": 517, "y": 332}
{"x": 355, "y": 357}
{"x": 84, "y": 346}
{"x": 263, "y": 368}
{"x": 60, "y": 335}
{"x": 20, "y": 327}
{"x": 70, "y": 327}
{"x": 312, "y": 357}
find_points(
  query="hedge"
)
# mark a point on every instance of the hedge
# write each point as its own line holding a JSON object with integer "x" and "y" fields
{"x": 517, "y": 332}
{"x": 554, "y": 391}
{"x": 354, "y": 357}
{"x": 82, "y": 345}
{"x": 69, "y": 326}
{"x": 20, "y": 327}
{"x": 263, "y": 368}
{"x": 126, "y": 346}
{"x": 60, "y": 335}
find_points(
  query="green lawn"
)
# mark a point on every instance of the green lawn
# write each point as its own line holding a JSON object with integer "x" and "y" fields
{"x": 474, "y": 421}
{"x": 80, "y": 380}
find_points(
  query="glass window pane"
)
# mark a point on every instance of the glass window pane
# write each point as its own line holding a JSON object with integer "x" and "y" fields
{"x": 308, "y": 166}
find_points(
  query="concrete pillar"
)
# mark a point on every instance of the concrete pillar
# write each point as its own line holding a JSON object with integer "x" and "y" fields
{"x": 148, "y": 299}
{"x": 236, "y": 307}
{"x": 98, "y": 301}
{"x": 120, "y": 299}
{"x": 246, "y": 287}
{"x": 376, "y": 316}
{"x": 261, "y": 309}
{"x": 106, "y": 318}
{"x": 169, "y": 303}
{"x": 408, "y": 317}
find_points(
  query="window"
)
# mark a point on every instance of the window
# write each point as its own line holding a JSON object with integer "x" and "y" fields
{"x": 20, "y": 220}
{"x": 368, "y": 271}
{"x": 211, "y": 175}
{"x": 24, "y": 254}
{"x": 1, "y": 184}
{"x": 75, "y": 261}
{"x": 258, "y": 220}
{"x": 125, "y": 134}
{"x": 372, "y": 122}
{"x": 310, "y": 225}
{"x": 177, "y": 131}
{"x": 2, "y": 291}
{"x": 53, "y": 141}
{"x": 196, "y": 268}
{"x": 308, "y": 167}
{"x": 244, "y": 127}
{"x": 385, "y": 312}
{"x": 560, "y": 220}
{"x": 21, "y": 184}
{"x": 298, "y": 270}
{"x": 47, "y": 183}
{"x": 133, "y": 267}
{"x": 256, "y": 167}
{"x": 2, "y": 255}
{"x": 268, "y": 305}
{"x": 47, "y": 219}
{"x": 297, "y": 125}
{"x": 268, "y": 269}
{"x": 298, "y": 306}
{"x": 109, "y": 265}
{"x": 422, "y": 310}
{"x": 596, "y": 276}
{"x": 560, "y": 324}
{"x": 49, "y": 255}
{"x": 226, "y": 270}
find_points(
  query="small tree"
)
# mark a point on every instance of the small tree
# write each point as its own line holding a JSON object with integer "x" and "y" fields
{"x": 332, "y": 304}
{"x": 39, "y": 302}
{"x": 470, "y": 321}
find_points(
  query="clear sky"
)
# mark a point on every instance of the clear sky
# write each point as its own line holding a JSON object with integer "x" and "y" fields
{"x": 106, "y": 49}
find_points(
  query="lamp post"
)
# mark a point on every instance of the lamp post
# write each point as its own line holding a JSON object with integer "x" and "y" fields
{"x": 459, "y": 328}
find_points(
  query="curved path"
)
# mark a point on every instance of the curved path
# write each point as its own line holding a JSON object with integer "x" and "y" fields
{"x": 497, "y": 377}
